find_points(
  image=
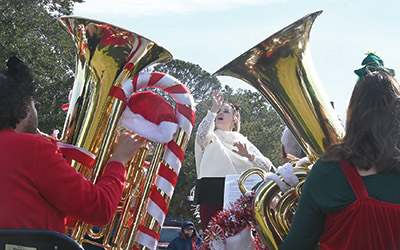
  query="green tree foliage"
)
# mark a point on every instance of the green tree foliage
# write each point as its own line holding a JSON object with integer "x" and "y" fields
{"x": 29, "y": 31}
{"x": 260, "y": 123}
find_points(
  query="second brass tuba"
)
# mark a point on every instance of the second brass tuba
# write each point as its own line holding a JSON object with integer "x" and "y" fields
{"x": 107, "y": 59}
{"x": 281, "y": 69}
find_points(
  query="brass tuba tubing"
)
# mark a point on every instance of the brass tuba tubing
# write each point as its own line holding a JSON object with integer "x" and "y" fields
{"x": 243, "y": 177}
{"x": 140, "y": 213}
{"x": 136, "y": 177}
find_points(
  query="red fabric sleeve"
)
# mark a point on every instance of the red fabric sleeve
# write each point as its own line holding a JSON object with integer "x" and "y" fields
{"x": 68, "y": 191}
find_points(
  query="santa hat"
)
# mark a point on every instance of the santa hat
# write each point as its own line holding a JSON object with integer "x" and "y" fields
{"x": 150, "y": 116}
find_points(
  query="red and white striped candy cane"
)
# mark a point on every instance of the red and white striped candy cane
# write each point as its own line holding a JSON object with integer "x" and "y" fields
{"x": 173, "y": 156}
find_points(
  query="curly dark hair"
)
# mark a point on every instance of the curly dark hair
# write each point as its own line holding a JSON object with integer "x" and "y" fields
{"x": 373, "y": 125}
{"x": 16, "y": 92}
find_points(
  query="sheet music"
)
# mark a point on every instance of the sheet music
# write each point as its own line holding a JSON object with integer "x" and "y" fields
{"x": 232, "y": 191}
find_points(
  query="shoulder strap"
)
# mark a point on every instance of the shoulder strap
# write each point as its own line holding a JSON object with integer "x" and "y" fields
{"x": 354, "y": 179}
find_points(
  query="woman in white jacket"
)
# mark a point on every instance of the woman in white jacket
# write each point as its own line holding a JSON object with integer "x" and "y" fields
{"x": 219, "y": 153}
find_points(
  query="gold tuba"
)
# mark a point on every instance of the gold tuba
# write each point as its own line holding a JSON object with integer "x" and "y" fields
{"x": 281, "y": 69}
{"x": 107, "y": 57}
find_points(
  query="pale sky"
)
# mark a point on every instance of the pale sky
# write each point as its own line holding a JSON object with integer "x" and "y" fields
{"x": 213, "y": 33}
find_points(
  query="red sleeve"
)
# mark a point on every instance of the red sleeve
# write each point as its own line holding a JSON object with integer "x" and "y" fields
{"x": 68, "y": 191}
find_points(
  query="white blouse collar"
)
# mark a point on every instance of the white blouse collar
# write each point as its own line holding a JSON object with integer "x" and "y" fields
{"x": 229, "y": 137}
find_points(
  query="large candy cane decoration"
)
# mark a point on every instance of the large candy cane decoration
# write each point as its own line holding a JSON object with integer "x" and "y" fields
{"x": 169, "y": 168}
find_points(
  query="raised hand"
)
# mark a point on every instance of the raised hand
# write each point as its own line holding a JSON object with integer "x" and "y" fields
{"x": 218, "y": 101}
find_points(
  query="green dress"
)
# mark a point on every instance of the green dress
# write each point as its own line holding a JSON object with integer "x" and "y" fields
{"x": 327, "y": 190}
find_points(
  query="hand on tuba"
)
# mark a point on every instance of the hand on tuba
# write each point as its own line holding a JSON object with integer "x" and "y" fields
{"x": 126, "y": 146}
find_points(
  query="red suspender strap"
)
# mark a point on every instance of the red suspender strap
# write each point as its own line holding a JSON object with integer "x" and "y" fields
{"x": 354, "y": 179}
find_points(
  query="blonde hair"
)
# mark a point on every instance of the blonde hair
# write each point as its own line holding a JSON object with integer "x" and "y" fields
{"x": 236, "y": 115}
{"x": 236, "y": 125}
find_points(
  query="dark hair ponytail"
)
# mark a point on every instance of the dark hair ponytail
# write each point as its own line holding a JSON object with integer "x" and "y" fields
{"x": 16, "y": 92}
{"x": 18, "y": 70}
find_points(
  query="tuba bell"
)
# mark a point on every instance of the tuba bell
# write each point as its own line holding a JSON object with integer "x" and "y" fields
{"x": 281, "y": 69}
{"x": 109, "y": 61}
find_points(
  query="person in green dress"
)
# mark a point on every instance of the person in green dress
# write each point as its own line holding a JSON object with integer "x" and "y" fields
{"x": 339, "y": 210}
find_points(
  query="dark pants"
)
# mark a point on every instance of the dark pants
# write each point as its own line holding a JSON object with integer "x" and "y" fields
{"x": 210, "y": 196}
{"x": 207, "y": 211}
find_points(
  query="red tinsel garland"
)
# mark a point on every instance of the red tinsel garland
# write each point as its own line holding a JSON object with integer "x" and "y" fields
{"x": 232, "y": 221}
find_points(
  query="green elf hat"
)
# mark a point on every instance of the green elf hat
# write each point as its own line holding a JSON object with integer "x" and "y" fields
{"x": 373, "y": 63}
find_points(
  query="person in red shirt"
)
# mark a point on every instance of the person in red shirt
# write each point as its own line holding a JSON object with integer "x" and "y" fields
{"x": 350, "y": 199}
{"x": 39, "y": 189}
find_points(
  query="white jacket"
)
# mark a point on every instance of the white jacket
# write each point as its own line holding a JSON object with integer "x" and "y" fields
{"x": 213, "y": 151}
